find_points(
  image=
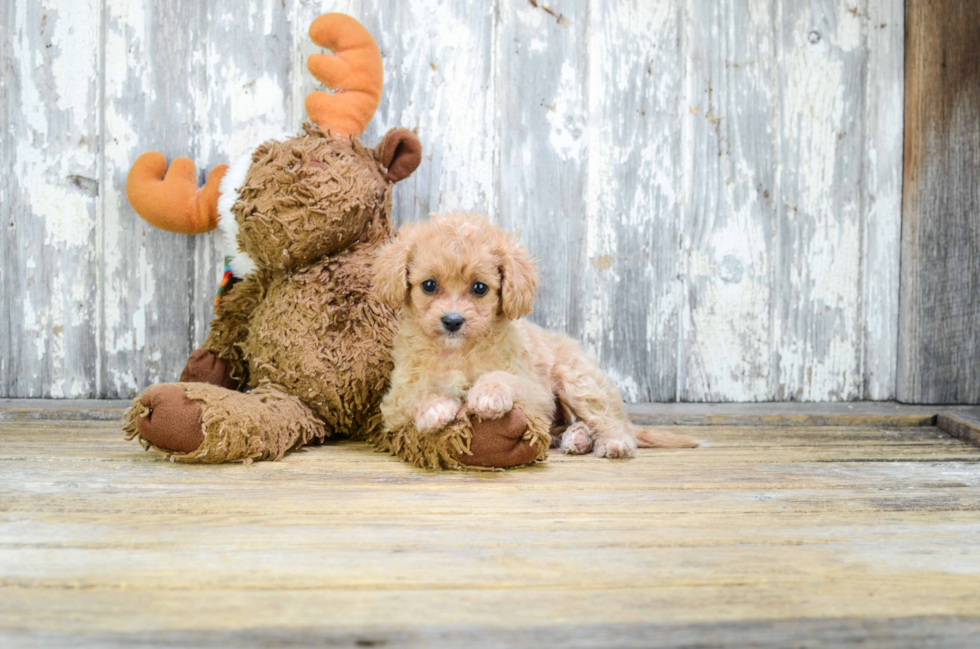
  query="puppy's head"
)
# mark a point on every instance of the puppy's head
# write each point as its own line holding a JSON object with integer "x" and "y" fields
{"x": 456, "y": 275}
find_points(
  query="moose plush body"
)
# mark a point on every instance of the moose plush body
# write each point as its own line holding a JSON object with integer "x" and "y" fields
{"x": 300, "y": 349}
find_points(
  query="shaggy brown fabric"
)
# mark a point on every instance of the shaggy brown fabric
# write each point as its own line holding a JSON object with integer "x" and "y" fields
{"x": 427, "y": 451}
{"x": 231, "y": 323}
{"x": 205, "y": 366}
{"x": 259, "y": 425}
{"x": 315, "y": 330}
{"x": 307, "y": 197}
{"x": 469, "y": 443}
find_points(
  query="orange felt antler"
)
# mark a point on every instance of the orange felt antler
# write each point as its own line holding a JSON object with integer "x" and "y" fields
{"x": 169, "y": 198}
{"x": 354, "y": 73}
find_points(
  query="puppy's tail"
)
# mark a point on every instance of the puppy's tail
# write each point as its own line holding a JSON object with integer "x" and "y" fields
{"x": 652, "y": 438}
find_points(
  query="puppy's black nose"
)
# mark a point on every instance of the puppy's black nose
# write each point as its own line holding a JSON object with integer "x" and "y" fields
{"x": 452, "y": 322}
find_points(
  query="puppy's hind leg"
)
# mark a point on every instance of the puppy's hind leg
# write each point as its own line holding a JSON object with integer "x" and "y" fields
{"x": 590, "y": 396}
{"x": 584, "y": 390}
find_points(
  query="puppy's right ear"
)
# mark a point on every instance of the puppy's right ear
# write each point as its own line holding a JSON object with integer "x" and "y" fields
{"x": 518, "y": 278}
{"x": 391, "y": 270}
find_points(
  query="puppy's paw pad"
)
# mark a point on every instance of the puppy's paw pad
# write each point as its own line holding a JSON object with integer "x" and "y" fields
{"x": 577, "y": 439}
{"x": 490, "y": 401}
{"x": 436, "y": 414}
{"x": 615, "y": 447}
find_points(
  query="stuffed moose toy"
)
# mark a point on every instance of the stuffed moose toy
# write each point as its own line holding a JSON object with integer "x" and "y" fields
{"x": 300, "y": 348}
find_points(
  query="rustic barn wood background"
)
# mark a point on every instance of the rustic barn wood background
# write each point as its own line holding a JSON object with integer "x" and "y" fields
{"x": 939, "y": 324}
{"x": 713, "y": 187}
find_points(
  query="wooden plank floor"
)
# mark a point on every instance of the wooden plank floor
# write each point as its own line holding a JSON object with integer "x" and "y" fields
{"x": 767, "y": 536}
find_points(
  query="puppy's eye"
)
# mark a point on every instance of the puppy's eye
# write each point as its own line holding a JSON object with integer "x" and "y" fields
{"x": 479, "y": 288}
{"x": 429, "y": 286}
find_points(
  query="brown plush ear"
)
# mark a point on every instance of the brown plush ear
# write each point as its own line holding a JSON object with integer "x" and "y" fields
{"x": 518, "y": 279}
{"x": 400, "y": 152}
{"x": 391, "y": 270}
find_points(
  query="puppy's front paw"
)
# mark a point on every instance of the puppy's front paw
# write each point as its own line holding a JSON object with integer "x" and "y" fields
{"x": 490, "y": 399}
{"x": 615, "y": 447}
{"x": 577, "y": 439}
{"x": 435, "y": 414}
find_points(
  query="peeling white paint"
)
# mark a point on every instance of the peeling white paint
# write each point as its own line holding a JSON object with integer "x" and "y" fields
{"x": 49, "y": 202}
{"x": 252, "y": 109}
{"x": 884, "y": 149}
{"x": 448, "y": 98}
{"x": 76, "y": 25}
{"x": 814, "y": 103}
{"x": 633, "y": 194}
{"x": 820, "y": 359}
{"x": 627, "y": 385}
{"x": 65, "y": 211}
{"x": 849, "y": 28}
{"x": 565, "y": 115}
{"x": 124, "y": 382}
{"x": 697, "y": 176}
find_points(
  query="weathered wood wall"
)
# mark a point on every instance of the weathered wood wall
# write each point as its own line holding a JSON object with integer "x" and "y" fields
{"x": 940, "y": 317}
{"x": 713, "y": 186}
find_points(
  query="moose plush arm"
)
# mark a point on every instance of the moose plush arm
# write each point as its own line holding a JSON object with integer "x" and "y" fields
{"x": 230, "y": 327}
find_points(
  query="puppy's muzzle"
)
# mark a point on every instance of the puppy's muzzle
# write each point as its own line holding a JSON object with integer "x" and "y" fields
{"x": 452, "y": 322}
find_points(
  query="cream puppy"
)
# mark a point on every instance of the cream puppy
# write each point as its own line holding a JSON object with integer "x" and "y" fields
{"x": 463, "y": 287}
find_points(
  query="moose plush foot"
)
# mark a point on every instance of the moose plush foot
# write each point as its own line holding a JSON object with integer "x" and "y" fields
{"x": 501, "y": 443}
{"x": 165, "y": 418}
{"x": 198, "y": 422}
{"x": 471, "y": 443}
{"x": 204, "y": 366}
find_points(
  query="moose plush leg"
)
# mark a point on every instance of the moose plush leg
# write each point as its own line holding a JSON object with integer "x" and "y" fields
{"x": 513, "y": 440}
{"x": 198, "y": 422}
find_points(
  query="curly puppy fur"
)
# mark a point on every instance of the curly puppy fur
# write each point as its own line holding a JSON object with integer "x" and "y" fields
{"x": 462, "y": 287}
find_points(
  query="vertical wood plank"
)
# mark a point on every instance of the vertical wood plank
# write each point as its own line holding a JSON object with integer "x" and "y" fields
{"x": 882, "y": 156}
{"x": 632, "y": 292}
{"x": 49, "y": 198}
{"x": 540, "y": 84}
{"x": 154, "y": 76}
{"x": 817, "y": 325}
{"x": 731, "y": 129}
{"x": 7, "y": 225}
{"x": 247, "y": 53}
{"x": 439, "y": 65}
{"x": 939, "y": 336}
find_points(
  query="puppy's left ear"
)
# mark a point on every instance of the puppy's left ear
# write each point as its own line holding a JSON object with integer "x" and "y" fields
{"x": 400, "y": 152}
{"x": 518, "y": 279}
{"x": 390, "y": 269}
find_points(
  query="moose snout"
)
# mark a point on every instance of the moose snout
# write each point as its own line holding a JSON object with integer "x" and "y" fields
{"x": 451, "y": 322}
